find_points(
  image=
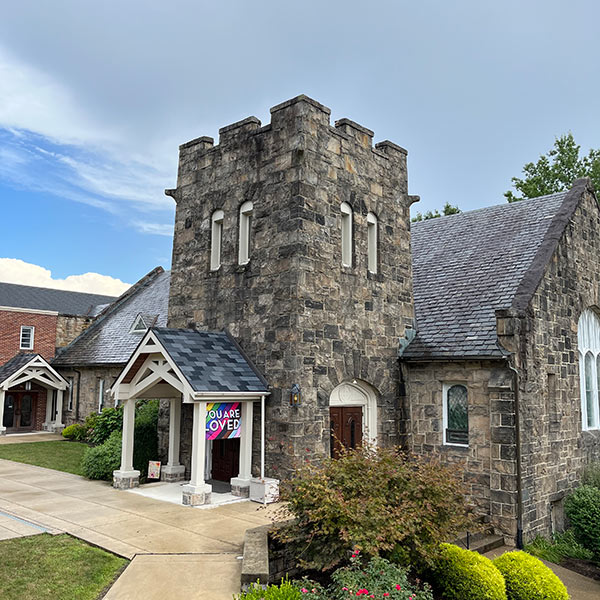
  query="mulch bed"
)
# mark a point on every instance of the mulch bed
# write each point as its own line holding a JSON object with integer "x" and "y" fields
{"x": 583, "y": 567}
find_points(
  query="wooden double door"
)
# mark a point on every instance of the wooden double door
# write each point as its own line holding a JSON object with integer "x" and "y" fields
{"x": 225, "y": 459}
{"x": 19, "y": 411}
{"x": 346, "y": 427}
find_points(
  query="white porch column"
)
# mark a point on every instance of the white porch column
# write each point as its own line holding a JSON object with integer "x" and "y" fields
{"x": 49, "y": 416}
{"x": 173, "y": 471}
{"x": 198, "y": 491}
{"x": 2, "y": 428}
{"x": 127, "y": 477}
{"x": 58, "y": 423}
{"x": 240, "y": 485}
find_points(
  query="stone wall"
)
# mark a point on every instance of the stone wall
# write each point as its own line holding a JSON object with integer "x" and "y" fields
{"x": 298, "y": 313}
{"x": 69, "y": 327}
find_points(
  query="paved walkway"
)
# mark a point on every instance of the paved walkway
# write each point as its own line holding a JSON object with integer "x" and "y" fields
{"x": 20, "y": 438}
{"x": 154, "y": 534}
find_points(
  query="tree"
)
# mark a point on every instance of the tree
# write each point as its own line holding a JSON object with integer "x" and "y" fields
{"x": 555, "y": 172}
{"x": 447, "y": 210}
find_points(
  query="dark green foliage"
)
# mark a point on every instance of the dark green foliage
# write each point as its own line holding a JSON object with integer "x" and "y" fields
{"x": 375, "y": 499}
{"x": 75, "y": 432}
{"x": 448, "y": 209}
{"x": 562, "y": 545}
{"x": 528, "y": 578}
{"x": 591, "y": 475}
{"x": 555, "y": 172}
{"x": 462, "y": 574}
{"x": 583, "y": 509}
{"x": 99, "y": 462}
{"x": 285, "y": 591}
{"x": 100, "y": 426}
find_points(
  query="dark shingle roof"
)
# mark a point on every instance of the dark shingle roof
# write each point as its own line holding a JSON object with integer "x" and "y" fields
{"x": 467, "y": 266}
{"x": 61, "y": 301}
{"x": 211, "y": 361}
{"x": 14, "y": 364}
{"x": 108, "y": 340}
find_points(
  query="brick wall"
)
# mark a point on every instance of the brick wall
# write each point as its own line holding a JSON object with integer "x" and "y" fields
{"x": 44, "y": 341}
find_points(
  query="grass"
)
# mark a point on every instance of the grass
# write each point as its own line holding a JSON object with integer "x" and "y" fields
{"x": 44, "y": 567}
{"x": 62, "y": 456}
{"x": 562, "y": 545}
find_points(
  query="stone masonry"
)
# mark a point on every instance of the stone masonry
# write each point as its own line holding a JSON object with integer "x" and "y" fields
{"x": 298, "y": 313}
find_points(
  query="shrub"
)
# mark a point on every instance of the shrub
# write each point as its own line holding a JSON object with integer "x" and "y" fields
{"x": 99, "y": 462}
{"x": 591, "y": 475}
{"x": 464, "y": 574}
{"x": 375, "y": 499}
{"x": 583, "y": 509}
{"x": 376, "y": 578}
{"x": 528, "y": 578}
{"x": 75, "y": 432}
{"x": 100, "y": 426}
{"x": 285, "y": 591}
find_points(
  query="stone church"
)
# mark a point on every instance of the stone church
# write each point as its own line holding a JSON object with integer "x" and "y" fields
{"x": 299, "y": 313}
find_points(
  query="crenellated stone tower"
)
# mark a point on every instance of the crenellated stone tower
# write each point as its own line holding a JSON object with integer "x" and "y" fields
{"x": 299, "y": 313}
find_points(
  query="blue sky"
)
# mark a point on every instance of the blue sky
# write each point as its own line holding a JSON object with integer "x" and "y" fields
{"x": 95, "y": 99}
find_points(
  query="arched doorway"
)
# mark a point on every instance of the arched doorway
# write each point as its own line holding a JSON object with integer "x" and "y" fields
{"x": 353, "y": 415}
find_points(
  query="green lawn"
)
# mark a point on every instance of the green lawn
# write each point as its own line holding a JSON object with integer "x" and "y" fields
{"x": 62, "y": 456}
{"x": 58, "y": 567}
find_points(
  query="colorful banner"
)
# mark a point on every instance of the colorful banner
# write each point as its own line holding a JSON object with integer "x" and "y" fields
{"x": 223, "y": 420}
{"x": 153, "y": 469}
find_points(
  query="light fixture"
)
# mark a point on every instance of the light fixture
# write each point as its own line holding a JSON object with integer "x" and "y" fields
{"x": 295, "y": 395}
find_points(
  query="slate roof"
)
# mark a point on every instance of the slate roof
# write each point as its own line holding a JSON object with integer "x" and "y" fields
{"x": 467, "y": 266}
{"x": 61, "y": 301}
{"x": 108, "y": 340}
{"x": 211, "y": 361}
{"x": 14, "y": 364}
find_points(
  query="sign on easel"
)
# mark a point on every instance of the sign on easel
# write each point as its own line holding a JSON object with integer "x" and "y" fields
{"x": 154, "y": 469}
{"x": 223, "y": 420}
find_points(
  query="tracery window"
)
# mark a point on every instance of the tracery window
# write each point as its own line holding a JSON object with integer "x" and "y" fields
{"x": 346, "y": 211}
{"x": 456, "y": 415}
{"x": 588, "y": 341}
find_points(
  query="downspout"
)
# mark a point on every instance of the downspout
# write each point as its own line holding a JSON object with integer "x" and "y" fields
{"x": 77, "y": 401}
{"x": 518, "y": 457}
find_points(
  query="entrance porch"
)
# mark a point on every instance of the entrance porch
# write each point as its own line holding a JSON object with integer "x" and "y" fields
{"x": 209, "y": 372}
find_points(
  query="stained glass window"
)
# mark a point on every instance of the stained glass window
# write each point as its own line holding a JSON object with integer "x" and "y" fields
{"x": 457, "y": 415}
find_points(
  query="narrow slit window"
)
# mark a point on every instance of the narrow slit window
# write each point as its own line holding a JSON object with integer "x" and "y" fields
{"x": 100, "y": 395}
{"x": 372, "y": 242}
{"x": 216, "y": 239}
{"x": 346, "y": 211}
{"x": 245, "y": 231}
{"x": 70, "y": 403}
{"x": 27, "y": 333}
{"x": 456, "y": 415}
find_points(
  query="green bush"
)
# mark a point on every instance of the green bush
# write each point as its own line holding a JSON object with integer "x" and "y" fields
{"x": 100, "y": 426}
{"x": 528, "y": 578}
{"x": 75, "y": 432}
{"x": 377, "y": 577}
{"x": 462, "y": 574}
{"x": 591, "y": 475}
{"x": 375, "y": 499}
{"x": 583, "y": 509}
{"x": 99, "y": 462}
{"x": 562, "y": 545}
{"x": 285, "y": 591}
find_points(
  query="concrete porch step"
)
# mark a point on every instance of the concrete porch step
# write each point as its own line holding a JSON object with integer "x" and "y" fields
{"x": 480, "y": 542}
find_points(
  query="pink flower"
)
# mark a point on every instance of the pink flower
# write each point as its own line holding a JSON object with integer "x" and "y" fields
{"x": 345, "y": 589}
{"x": 398, "y": 587}
{"x": 304, "y": 591}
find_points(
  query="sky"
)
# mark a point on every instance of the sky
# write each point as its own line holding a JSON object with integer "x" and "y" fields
{"x": 95, "y": 99}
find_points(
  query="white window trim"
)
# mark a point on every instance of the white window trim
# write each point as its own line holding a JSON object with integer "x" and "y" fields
{"x": 216, "y": 239}
{"x": 588, "y": 342}
{"x": 32, "y": 329}
{"x": 139, "y": 320}
{"x": 445, "y": 388}
{"x": 372, "y": 243}
{"x": 244, "y": 232}
{"x": 100, "y": 395}
{"x": 347, "y": 217}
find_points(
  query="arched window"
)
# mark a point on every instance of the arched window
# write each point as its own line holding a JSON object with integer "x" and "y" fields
{"x": 216, "y": 237}
{"x": 245, "y": 230}
{"x": 456, "y": 415}
{"x": 372, "y": 242}
{"x": 346, "y": 211}
{"x": 588, "y": 341}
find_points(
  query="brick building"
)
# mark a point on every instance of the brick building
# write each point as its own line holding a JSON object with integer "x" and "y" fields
{"x": 34, "y": 323}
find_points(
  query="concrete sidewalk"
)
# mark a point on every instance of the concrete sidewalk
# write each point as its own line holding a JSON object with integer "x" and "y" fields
{"x": 25, "y": 438}
{"x": 152, "y": 533}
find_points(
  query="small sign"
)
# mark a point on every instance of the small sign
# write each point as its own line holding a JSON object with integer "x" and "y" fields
{"x": 154, "y": 469}
{"x": 223, "y": 420}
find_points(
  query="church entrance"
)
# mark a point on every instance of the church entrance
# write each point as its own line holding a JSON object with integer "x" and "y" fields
{"x": 19, "y": 411}
{"x": 225, "y": 459}
{"x": 346, "y": 428}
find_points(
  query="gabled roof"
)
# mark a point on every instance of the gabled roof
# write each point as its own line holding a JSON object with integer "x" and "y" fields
{"x": 24, "y": 367}
{"x": 109, "y": 340}
{"x": 61, "y": 301}
{"x": 467, "y": 266}
{"x": 211, "y": 361}
{"x": 14, "y": 364}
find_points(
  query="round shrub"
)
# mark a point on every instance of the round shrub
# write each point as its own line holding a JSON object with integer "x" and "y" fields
{"x": 583, "y": 509}
{"x": 462, "y": 574}
{"x": 528, "y": 578}
{"x": 75, "y": 432}
{"x": 99, "y": 462}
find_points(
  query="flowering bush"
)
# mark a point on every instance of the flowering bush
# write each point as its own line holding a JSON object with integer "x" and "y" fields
{"x": 376, "y": 499}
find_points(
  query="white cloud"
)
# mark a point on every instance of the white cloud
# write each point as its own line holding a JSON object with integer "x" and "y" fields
{"x": 13, "y": 270}
{"x": 165, "y": 229}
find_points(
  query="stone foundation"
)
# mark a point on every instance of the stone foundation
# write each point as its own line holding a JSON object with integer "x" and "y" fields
{"x": 125, "y": 480}
{"x": 240, "y": 487}
{"x": 171, "y": 474}
{"x": 193, "y": 495}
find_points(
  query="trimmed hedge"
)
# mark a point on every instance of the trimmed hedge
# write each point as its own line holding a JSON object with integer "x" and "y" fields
{"x": 75, "y": 432}
{"x": 583, "y": 509}
{"x": 99, "y": 462}
{"x": 462, "y": 574}
{"x": 528, "y": 578}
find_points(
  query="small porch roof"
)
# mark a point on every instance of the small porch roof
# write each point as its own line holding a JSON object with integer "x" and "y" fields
{"x": 25, "y": 367}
